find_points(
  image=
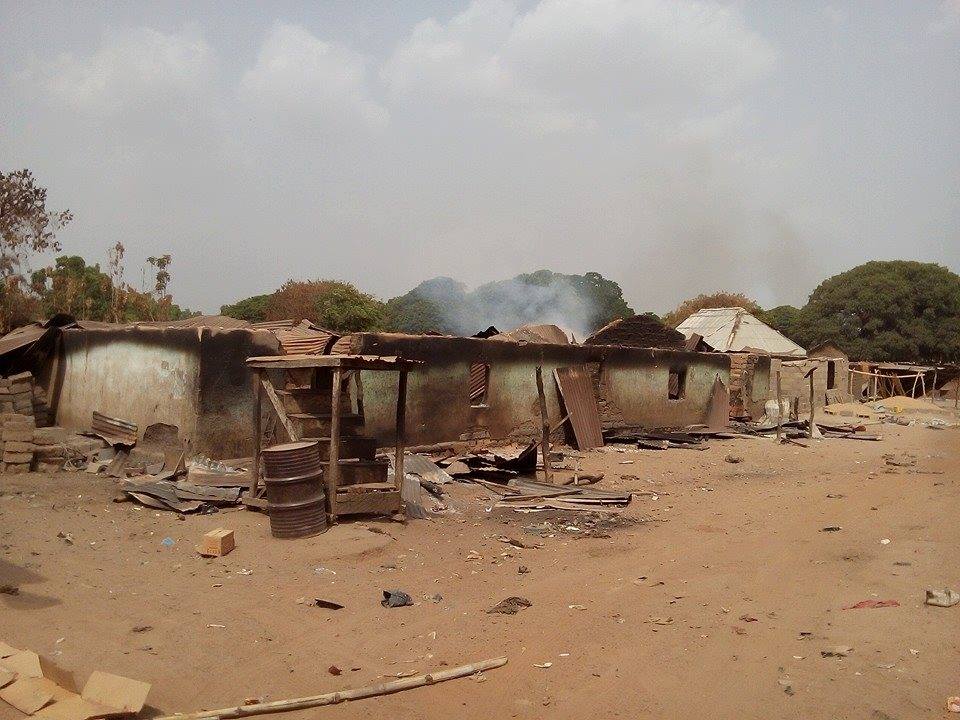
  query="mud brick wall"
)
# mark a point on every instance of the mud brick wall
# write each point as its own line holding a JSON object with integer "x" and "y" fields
{"x": 794, "y": 385}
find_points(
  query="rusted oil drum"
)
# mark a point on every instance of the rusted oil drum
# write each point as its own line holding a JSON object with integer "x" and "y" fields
{"x": 292, "y": 476}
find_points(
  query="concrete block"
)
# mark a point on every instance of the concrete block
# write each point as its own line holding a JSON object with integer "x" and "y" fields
{"x": 14, "y": 446}
{"x": 17, "y": 434}
{"x": 54, "y": 435}
{"x": 217, "y": 543}
{"x": 17, "y": 457}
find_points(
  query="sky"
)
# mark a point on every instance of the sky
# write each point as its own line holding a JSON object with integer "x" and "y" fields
{"x": 674, "y": 146}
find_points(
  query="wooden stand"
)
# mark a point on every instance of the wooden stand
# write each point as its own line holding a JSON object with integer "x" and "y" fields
{"x": 354, "y": 499}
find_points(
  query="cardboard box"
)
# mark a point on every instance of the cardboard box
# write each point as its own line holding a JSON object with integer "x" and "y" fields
{"x": 217, "y": 543}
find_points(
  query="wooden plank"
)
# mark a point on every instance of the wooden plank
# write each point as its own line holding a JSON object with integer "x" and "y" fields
{"x": 279, "y": 409}
{"x": 257, "y": 432}
{"x": 346, "y": 362}
{"x": 369, "y": 503}
{"x": 332, "y": 476}
{"x": 545, "y": 440}
{"x": 401, "y": 429}
{"x": 576, "y": 389}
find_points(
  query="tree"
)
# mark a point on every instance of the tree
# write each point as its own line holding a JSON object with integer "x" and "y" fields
{"x": 330, "y": 304}
{"x": 412, "y": 313}
{"x": 436, "y": 305}
{"x": 789, "y": 321}
{"x": 73, "y": 287}
{"x": 252, "y": 309}
{"x": 894, "y": 310}
{"x": 27, "y": 226}
{"x": 714, "y": 300}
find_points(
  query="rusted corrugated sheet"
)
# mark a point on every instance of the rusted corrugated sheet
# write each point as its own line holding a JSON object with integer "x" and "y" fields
{"x": 303, "y": 338}
{"x": 576, "y": 389}
{"x": 479, "y": 378}
{"x": 114, "y": 430}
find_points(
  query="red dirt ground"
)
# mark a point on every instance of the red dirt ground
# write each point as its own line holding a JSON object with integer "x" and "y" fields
{"x": 722, "y": 544}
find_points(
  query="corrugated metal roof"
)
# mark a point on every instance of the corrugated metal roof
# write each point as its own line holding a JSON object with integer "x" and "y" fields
{"x": 736, "y": 330}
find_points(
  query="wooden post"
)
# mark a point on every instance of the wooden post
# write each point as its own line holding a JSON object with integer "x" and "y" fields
{"x": 810, "y": 424}
{"x": 255, "y": 466}
{"x": 923, "y": 384}
{"x": 779, "y": 409}
{"x": 331, "y": 481}
{"x": 398, "y": 472}
{"x": 545, "y": 440}
{"x": 359, "y": 383}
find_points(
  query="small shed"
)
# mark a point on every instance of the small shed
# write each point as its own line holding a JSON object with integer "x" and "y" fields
{"x": 827, "y": 350}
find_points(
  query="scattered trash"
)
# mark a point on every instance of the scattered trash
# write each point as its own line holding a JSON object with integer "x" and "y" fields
{"x": 659, "y": 620}
{"x": 141, "y": 628}
{"x": 395, "y": 599}
{"x": 66, "y": 537}
{"x": 832, "y": 528}
{"x": 900, "y": 459}
{"x": 748, "y": 618}
{"x": 543, "y": 665}
{"x": 942, "y": 598}
{"x": 327, "y": 604}
{"x": 734, "y": 459}
{"x": 836, "y": 651}
{"x": 953, "y": 704}
{"x": 168, "y": 542}
{"x": 885, "y": 541}
{"x": 523, "y": 569}
{"x": 334, "y": 670}
{"x": 9, "y": 590}
{"x": 519, "y": 543}
{"x": 510, "y": 606}
{"x": 866, "y": 604}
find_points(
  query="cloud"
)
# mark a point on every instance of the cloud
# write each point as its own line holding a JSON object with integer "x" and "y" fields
{"x": 138, "y": 68}
{"x": 571, "y": 64}
{"x": 947, "y": 20}
{"x": 298, "y": 74}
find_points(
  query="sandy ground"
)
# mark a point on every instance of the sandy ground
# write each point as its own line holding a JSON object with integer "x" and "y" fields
{"x": 731, "y": 556}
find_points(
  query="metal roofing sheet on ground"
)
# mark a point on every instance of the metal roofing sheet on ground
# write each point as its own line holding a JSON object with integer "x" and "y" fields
{"x": 735, "y": 330}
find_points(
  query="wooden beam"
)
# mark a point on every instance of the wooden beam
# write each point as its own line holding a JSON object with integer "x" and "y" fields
{"x": 332, "y": 478}
{"x": 257, "y": 411}
{"x": 779, "y": 410}
{"x": 401, "y": 429}
{"x": 545, "y": 440}
{"x": 358, "y": 381}
{"x": 279, "y": 409}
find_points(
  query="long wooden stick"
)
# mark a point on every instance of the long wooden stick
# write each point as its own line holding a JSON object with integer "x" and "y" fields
{"x": 343, "y": 695}
{"x": 545, "y": 421}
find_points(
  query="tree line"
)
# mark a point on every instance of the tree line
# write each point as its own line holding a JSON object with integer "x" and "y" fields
{"x": 895, "y": 310}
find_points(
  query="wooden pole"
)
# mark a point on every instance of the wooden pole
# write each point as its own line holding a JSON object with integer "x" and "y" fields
{"x": 257, "y": 410}
{"x": 779, "y": 410}
{"x": 810, "y": 424}
{"x": 359, "y": 383}
{"x": 401, "y": 429}
{"x": 343, "y": 695}
{"x": 332, "y": 479}
{"x": 545, "y": 421}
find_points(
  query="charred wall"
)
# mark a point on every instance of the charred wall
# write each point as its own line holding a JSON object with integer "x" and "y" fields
{"x": 194, "y": 378}
{"x": 632, "y": 385}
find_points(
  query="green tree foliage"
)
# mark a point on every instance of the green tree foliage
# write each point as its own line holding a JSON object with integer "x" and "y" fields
{"x": 27, "y": 226}
{"x": 437, "y": 305}
{"x": 73, "y": 287}
{"x": 252, "y": 309}
{"x": 788, "y": 320}
{"x": 328, "y": 303}
{"x": 85, "y": 292}
{"x": 713, "y": 300}
{"x": 894, "y": 310}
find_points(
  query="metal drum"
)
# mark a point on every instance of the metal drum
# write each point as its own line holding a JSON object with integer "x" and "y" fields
{"x": 294, "y": 489}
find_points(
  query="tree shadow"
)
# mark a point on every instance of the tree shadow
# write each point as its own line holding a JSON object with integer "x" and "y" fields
{"x": 12, "y": 592}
